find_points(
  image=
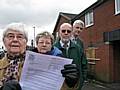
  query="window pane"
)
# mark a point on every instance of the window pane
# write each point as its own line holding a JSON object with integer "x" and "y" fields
{"x": 89, "y": 19}
{"x": 117, "y": 6}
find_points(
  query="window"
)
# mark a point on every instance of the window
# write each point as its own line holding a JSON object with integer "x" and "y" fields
{"x": 89, "y": 19}
{"x": 117, "y": 6}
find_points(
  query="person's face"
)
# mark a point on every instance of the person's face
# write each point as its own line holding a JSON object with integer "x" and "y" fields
{"x": 44, "y": 44}
{"x": 15, "y": 42}
{"x": 65, "y": 33}
{"x": 77, "y": 29}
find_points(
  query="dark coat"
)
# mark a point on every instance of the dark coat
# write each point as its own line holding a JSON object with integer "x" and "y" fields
{"x": 11, "y": 85}
{"x": 76, "y": 53}
{"x": 79, "y": 42}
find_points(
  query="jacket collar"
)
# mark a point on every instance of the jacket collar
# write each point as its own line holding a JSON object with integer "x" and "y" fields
{"x": 72, "y": 44}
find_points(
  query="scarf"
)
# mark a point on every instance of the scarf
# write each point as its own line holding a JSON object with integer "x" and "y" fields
{"x": 12, "y": 69}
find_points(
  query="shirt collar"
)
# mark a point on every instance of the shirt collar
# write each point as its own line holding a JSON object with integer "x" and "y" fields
{"x": 61, "y": 43}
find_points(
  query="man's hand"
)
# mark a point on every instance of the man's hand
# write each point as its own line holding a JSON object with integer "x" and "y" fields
{"x": 71, "y": 74}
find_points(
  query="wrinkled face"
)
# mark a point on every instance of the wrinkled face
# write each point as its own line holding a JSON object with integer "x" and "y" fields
{"x": 15, "y": 42}
{"x": 77, "y": 29}
{"x": 44, "y": 44}
{"x": 65, "y": 33}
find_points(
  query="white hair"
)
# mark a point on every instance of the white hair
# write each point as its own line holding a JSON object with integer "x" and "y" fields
{"x": 78, "y": 22}
{"x": 20, "y": 27}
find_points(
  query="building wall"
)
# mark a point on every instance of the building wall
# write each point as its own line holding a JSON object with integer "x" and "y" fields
{"x": 104, "y": 67}
{"x": 61, "y": 20}
{"x": 104, "y": 20}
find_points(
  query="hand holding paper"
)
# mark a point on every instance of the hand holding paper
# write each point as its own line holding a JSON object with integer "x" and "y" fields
{"x": 42, "y": 72}
{"x": 71, "y": 74}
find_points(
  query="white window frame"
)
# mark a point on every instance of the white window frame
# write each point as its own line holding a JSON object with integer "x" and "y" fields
{"x": 117, "y": 6}
{"x": 89, "y": 19}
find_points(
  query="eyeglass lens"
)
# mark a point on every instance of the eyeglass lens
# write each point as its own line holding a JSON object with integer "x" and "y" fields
{"x": 68, "y": 31}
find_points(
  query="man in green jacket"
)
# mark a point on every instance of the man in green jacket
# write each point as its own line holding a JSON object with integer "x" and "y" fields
{"x": 72, "y": 51}
{"x": 78, "y": 27}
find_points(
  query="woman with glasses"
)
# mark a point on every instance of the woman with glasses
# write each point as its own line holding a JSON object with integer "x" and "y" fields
{"x": 44, "y": 43}
{"x": 15, "y": 40}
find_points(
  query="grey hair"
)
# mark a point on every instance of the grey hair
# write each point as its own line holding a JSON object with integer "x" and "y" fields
{"x": 78, "y": 22}
{"x": 20, "y": 27}
{"x": 45, "y": 34}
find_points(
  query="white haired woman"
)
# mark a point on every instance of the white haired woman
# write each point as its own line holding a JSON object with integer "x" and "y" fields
{"x": 15, "y": 40}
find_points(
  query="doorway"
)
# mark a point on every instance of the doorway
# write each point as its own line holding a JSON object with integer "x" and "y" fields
{"x": 116, "y": 49}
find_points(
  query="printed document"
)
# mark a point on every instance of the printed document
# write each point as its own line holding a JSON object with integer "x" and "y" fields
{"x": 42, "y": 72}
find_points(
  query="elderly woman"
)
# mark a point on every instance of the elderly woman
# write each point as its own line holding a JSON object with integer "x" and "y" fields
{"x": 15, "y": 41}
{"x": 44, "y": 42}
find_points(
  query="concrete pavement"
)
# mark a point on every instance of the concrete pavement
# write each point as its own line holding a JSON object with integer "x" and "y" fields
{"x": 96, "y": 85}
{"x": 93, "y": 86}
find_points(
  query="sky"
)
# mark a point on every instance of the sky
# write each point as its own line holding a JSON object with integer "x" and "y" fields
{"x": 41, "y": 14}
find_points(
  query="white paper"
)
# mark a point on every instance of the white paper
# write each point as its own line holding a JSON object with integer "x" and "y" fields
{"x": 42, "y": 72}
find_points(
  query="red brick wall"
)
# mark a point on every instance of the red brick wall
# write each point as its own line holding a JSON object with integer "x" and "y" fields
{"x": 104, "y": 66}
{"x": 104, "y": 20}
{"x": 62, "y": 20}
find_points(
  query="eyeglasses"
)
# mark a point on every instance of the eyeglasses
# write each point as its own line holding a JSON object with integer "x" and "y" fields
{"x": 68, "y": 31}
{"x": 12, "y": 36}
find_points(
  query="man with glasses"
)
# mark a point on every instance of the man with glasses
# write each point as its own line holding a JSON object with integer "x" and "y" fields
{"x": 71, "y": 50}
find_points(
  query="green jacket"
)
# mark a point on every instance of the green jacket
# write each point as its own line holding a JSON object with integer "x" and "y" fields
{"x": 76, "y": 53}
{"x": 79, "y": 42}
